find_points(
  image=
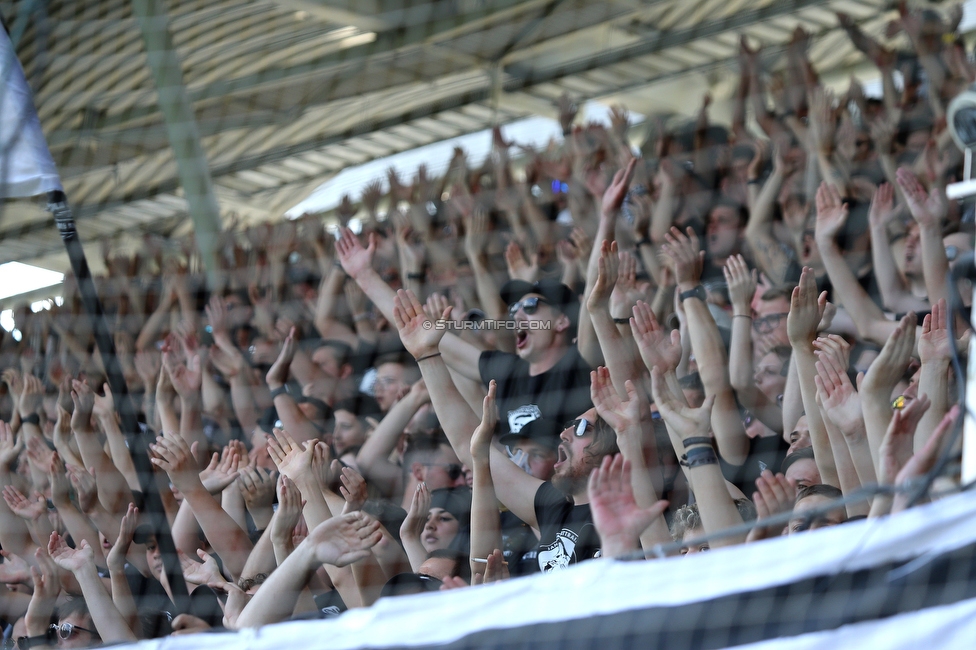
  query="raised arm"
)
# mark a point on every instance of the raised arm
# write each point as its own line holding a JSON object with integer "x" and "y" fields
{"x": 113, "y": 491}
{"x": 806, "y": 310}
{"x": 831, "y": 216}
{"x": 742, "y": 287}
{"x": 895, "y": 295}
{"x": 617, "y": 355}
{"x": 486, "y": 533}
{"x": 515, "y": 488}
{"x": 340, "y": 541}
{"x": 880, "y": 380}
{"x": 175, "y": 457}
{"x": 706, "y": 342}
{"x": 631, "y": 421}
{"x": 373, "y": 458}
{"x": 111, "y": 625}
{"x": 929, "y": 211}
{"x": 715, "y": 504}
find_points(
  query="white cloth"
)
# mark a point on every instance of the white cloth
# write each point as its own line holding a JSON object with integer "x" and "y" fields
{"x": 26, "y": 167}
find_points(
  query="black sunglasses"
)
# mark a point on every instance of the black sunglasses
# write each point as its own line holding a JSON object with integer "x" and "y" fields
{"x": 530, "y": 305}
{"x": 578, "y": 426}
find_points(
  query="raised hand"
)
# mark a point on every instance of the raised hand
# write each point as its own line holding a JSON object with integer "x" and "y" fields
{"x": 890, "y": 366}
{"x": 345, "y": 539}
{"x": 278, "y": 373}
{"x": 806, "y": 310}
{"x": 257, "y": 487}
{"x": 352, "y": 256}
{"x": 10, "y": 446}
{"x": 882, "y": 206}
{"x": 216, "y": 312}
{"x": 417, "y": 331}
{"x": 616, "y": 516}
{"x": 934, "y": 343}
{"x": 85, "y": 488}
{"x": 742, "y": 284}
{"x": 624, "y": 416}
{"x": 687, "y": 257}
{"x": 289, "y": 510}
{"x": 70, "y": 559}
{"x": 682, "y": 420}
{"x": 116, "y": 557}
{"x": 615, "y": 193}
{"x": 518, "y": 267}
{"x": 481, "y": 438}
{"x": 176, "y": 458}
{"x": 831, "y": 213}
{"x": 187, "y": 379}
{"x": 292, "y": 460}
{"x": 200, "y": 573}
{"x": 223, "y": 470}
{"x": 104, "y": 405}
{"x": 31, "y": 396}
{"x": 13, "y": 569}
{"x": 656, "y": 347}
{"x": 841, "y": 403}
{"x": 353, "y": 490}
{"x": 413, "y": 524}
{"x": 774, "y": 495}
{"x": 924, "y": 459}
{"x": 898, "y": 444}
{"x": 928, "y": 210}
{"x": 84, "y": 402}
{"x": 29, "y": 509}
{"x": 609, "y": 262}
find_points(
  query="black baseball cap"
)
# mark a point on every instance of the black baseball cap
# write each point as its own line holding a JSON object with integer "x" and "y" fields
{"x": 542, "y": 430}
{"x": 557, "y": 294}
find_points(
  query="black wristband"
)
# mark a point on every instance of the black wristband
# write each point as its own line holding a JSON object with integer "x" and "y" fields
{"x": 280, "y": 390}
{"x": 33, "y": 418}
{"x": 28, "y": 642}
{"x": 699, "y": 456}
{"x": 645, "y": 241}
{"x": 416, "y": 276}
{"x": 753, "y": 181}
{"x": 697, "y": 440}
{"x": 622, "y": 321}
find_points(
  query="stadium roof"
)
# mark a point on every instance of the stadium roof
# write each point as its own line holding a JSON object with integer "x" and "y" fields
{"x": 287, "y": 93}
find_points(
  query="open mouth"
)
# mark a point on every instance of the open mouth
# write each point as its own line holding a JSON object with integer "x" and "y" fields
{"x": 521, "y": 338}
{"x": 561, "y": 456}
{"x": 430, "y": 539}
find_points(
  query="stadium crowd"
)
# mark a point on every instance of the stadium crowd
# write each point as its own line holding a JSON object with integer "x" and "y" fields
{"x": 558, "y": 356}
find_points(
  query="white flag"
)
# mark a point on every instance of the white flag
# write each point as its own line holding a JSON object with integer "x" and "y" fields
{"x": 26, "y": 167}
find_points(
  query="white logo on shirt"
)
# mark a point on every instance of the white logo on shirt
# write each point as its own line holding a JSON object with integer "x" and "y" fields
{"x": 559, "y": 554}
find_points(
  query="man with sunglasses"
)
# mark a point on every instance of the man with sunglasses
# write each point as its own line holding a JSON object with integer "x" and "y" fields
{"x": 546, "y": 376}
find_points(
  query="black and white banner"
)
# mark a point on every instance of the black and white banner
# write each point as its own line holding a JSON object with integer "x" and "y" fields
{"x": 910, "y": 576}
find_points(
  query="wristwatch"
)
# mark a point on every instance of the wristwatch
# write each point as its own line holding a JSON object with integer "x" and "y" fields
{"x": 697, "y": 292}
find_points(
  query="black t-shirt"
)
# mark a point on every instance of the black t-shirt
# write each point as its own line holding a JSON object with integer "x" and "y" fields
{"x": 561, "y": 393}
{"x": 519, "y": 545}
{"x": 568, "y": 533}
{"x": 764, "y": 453}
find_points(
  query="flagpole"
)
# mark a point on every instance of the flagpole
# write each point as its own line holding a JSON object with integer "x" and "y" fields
{"x": 136, "y": 441}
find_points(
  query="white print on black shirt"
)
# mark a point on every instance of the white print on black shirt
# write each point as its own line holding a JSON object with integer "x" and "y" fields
{"x": 560, "y": 553}
{"x": 519, "y": 417}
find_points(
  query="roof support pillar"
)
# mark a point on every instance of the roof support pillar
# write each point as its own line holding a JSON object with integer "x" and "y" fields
{"x": 181, "y": 128}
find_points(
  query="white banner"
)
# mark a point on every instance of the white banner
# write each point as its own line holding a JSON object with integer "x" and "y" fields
{"x": 606, "y": 587}
{"x": 26, "y": 167}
